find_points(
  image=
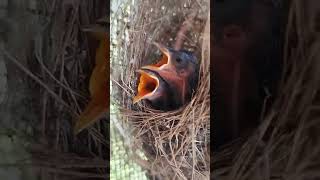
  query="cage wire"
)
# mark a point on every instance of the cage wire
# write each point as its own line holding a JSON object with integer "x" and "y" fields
{"x": 122, "y": 167}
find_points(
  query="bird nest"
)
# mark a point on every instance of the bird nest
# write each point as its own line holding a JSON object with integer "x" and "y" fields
{"x": 286, "y": 144}
{"x": 175, "y": 143}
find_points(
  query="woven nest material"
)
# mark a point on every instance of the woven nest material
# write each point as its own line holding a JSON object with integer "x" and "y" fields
{"x": 286, "y": 144}
{"x": 175, "y": 143}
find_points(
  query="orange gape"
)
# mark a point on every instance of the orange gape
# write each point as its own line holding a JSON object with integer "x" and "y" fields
{"x": 98, "y": 87}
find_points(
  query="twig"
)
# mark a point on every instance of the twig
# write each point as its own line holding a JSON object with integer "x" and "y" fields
{"x": 35, "y": 78}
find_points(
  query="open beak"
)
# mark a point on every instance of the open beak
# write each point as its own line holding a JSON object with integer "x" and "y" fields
{"x": 165, "y": 68}
{"x": 148, "y": 85}
{"x": 166, "y": 58}
{"x": 162, "y": 77}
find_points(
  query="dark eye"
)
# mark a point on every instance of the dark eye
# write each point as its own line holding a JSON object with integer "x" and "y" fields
{"x": 178, "y": 60}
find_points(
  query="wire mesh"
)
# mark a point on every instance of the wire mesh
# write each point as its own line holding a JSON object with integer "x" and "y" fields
{"x": 122, "y": 167}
